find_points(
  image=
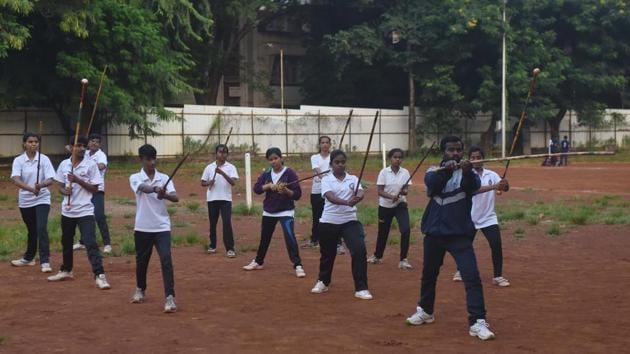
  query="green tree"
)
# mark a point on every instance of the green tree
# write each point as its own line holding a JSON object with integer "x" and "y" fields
{"x": 13, "y": 34}
{"x": 70, "y": 42}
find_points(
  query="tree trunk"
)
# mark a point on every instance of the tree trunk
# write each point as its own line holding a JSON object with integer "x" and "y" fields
{"x": 554, "y": 123}
{"x": 210, "y": 88}
{"x": 412, "y": 112}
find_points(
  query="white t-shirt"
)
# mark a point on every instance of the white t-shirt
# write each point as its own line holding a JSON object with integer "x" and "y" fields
{"x": 323, "y": 163}
{"x": 344, "y": 189}
{"x": 482, "y": 212}
{"x": 27, "y": 170}
{"x": 99, "y": 157}
{"x": 275, "y": 177}
{"x": 151, "y": 213}
{"x": 222, "y": 189}
{"x": 81, "y": 201}
{"x": 393, "y": 182}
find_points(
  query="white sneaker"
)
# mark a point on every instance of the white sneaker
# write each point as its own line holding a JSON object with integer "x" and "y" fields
{"x": 77, "y": 246}
{"x": 457, "y": 276}
{"x": 22, "y": 262}
{"x": 481, "y": 330}
{"x": 340, "y": 249}
{"x": 500, "y": 281}
{"x": 319, "y": 288}
{"x": 107, "y": 249}
{"x": 373, "y": 260}
{"x": 169, "y": 305}
{"x": 138, "y": 296}
{"x": 253, "y": 266}
{"x": 211, "y": 250}
{"x": 419, "y": 317}
{"x": 299, "y": 272}
{"x": 61, "y": 275}
{"x": 46, "y": 268}
{"x": 363, "y": 295}
{"x": 102, "y": 283}
{"x": 231, "y": 254}
{"x": 404, "y": 264}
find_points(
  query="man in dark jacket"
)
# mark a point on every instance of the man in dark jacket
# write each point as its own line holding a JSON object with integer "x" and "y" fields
{"x": 447, "y": 226}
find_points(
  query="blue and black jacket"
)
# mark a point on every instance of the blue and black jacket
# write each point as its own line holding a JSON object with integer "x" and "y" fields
{"x": 450, "y": 193}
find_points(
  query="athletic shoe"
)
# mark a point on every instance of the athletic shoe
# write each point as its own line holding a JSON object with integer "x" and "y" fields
{"x": 340, "y": 249}
{"x": 481, "y": 330}
{"x": 363, "y": 295}
{"x": 404, "y": 264}
{"x": 138, "y": 296}
{"x": 102, "y": 283}
{"x": 299, "y": 272}
{"x": 211, "y": 250}
{"x": 500, "y": 281}
{"x": 253, "y": 266}
{"x": 373, "y": 260}
{"x": 46, "y": 268}
{"x": 22, "y": 262}
{"x": 319, "y": 288}
{"x": 107, "y": 249}
{"x": 310, "y": 244}
{"x": 61, "y": 275}
{"x": 78, "y": 246}
{"x": 457, "y": 276}
{"x": 231, "y": 254}
{"x": 169, "y": 305}
{"x": 419, "y": 317}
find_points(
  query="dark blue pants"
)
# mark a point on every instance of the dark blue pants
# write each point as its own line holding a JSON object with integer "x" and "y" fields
{"x": 144, "y": 242}
{"x": 317, "y": 206}
{"x": 385, "y": 217}
{"x": 88, "y": 234}
{"x": 36, "y": 220}
{"x": 460, "y": 247}
{"x": 493, "y": 235}
{"x": 352, "y": 232}
{"x": 223, "y": 208}
{"x": 267, "y": 228}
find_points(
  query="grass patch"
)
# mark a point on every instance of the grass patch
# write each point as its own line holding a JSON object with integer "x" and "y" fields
{"x": 123, "y": 200}
{"x": 243, "y": 210}
{"x": 3, "y": 340}
{"x": 128, "y": 215}
{"x": 180, "y": 223}
{"x": 553, "y": 229}
{"x": 193, "y": 207}
{"x": 532, "y": 219}
{"x": 4, "y": 197}
{"x": 519, "y": 233}
{"x": 171, "y": 210}
{"x": 368, "y": 215}
{"x": 393, "y": 240}
{"x": 303, "y": 212}
{"x": 247, "y": 248}
{"x": 127, "y": 245}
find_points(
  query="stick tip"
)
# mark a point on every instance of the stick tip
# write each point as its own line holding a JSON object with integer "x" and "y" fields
{"x": 536, "y": 71}
{"x": 84, "y": 81}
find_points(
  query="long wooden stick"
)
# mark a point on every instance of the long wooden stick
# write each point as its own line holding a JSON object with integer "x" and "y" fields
{"x": 73, "y": 159}
{"x": 367, "y": 151}
{"x": 340, "y": 146}
{"x": 426, "y": 154}
{"x": 181, "y": 162}
{"x": 39, "y": 158}
{"x": 517, "y": 134}
{"x": 521, "y": 157}
{"x": 98, "y": 95}
{"x": 307, "y": 178}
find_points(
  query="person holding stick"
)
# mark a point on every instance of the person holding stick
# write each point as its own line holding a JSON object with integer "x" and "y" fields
{"x": 483, "y": 215}
{"x": 219, "y": 177}
{"x": 447, "y": 226}
{"x": 392, "y": 203}
{"x": 153, "y": 225}
{"x": 98, "y": 199}
{"x": 281, "y": 192}
{"x": 78, "y": 179}
{"x": 342, "y": 192}
{"x": 320, "y": 162}
{"x": 33, "y": 172}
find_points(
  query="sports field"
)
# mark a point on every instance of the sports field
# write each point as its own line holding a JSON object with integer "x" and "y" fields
{"x": 566, "y": 236}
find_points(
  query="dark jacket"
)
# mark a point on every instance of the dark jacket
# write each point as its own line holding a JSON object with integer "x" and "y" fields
{"x": 448, "y": 211}
{"x": 275, "y": 202}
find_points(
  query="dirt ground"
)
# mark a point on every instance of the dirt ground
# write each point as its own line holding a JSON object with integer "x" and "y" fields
{"x": 568, "y": 293}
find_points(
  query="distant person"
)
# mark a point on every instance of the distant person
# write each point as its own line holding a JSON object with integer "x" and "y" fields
{"x": 565, "y": 146}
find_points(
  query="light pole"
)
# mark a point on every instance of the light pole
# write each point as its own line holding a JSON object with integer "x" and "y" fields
{"x": 281, "y": 79}
{"x": 503, "y": 85}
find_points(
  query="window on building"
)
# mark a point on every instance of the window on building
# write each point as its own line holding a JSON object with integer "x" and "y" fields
{"x": 292, "y": 68}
